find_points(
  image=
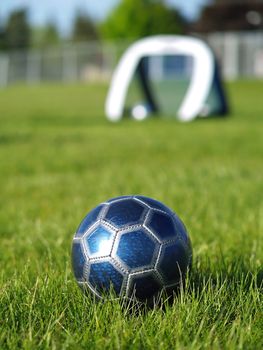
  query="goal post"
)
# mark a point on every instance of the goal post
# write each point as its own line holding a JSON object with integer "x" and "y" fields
{"x": 204, "y": 78}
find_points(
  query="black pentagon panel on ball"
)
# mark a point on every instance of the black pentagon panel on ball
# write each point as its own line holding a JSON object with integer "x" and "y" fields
{"x": 174, "y": 260}
{"x": 78, "y": 260}
{"x": 162, "y": 225}
{"x": 136, "y": 249}
{"x": 89, "y": 220}
{"x": 100, "y": 241}
{"x": 125, "y": 212}
{"x": 104, "y": 277}
{"x": 154, "y": 204}
{"x": 145, "y": 286}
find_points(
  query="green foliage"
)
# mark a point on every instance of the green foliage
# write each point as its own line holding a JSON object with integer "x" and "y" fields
{"x": 2, "y": 39}
{"x": 134, "y": 19}
{"x": 2, "y": 36}
{"x": 46, "y": 36}
{"x": 60, "y": 157}
{"x": 17, "y": 32}
{"x": 84, "y": 29}
{"x": 50, "y": 35}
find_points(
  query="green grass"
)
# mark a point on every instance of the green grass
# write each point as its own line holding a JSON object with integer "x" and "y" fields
{"x": 60, "y": 157}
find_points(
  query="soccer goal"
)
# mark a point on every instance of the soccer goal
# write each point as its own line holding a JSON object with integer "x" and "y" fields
{"x": 169, "y": 75}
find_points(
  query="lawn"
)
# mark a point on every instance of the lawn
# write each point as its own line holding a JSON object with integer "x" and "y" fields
{"x": 60, "y": 157}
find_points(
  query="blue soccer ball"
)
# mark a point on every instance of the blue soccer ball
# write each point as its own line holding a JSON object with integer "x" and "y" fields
{"x": 132, "y": 245}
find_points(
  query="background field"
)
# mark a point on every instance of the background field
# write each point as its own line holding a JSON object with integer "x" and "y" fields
{"x": 60, "y": 157}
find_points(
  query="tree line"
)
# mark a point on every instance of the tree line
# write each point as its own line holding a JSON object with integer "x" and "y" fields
{"x": 17, "y": 33}
{"x": 131, "y": 19}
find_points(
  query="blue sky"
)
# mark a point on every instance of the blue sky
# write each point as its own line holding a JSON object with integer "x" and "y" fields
{"x": 62, "y": 11}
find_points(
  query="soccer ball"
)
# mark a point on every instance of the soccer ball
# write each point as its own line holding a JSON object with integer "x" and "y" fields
{"x": 134, "y": 246}
{"x": 140, "y": 112}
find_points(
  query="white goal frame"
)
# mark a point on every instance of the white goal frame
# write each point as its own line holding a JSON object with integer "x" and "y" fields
{"x": 200, "y": 83}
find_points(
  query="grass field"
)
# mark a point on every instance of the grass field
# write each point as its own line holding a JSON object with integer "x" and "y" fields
{"x": 60, "y": 157}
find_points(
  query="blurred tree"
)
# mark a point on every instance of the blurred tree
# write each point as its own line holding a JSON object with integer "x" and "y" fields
{"x": 230, "y": 15}
{"x": 50, "y": 35}
{"x": 2, "y": 38}
{"x": 46, "y": 36}
{"x": 17, "y": 31}
{"x": 137, "y": 18}
{"x": 84, "y": 29}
